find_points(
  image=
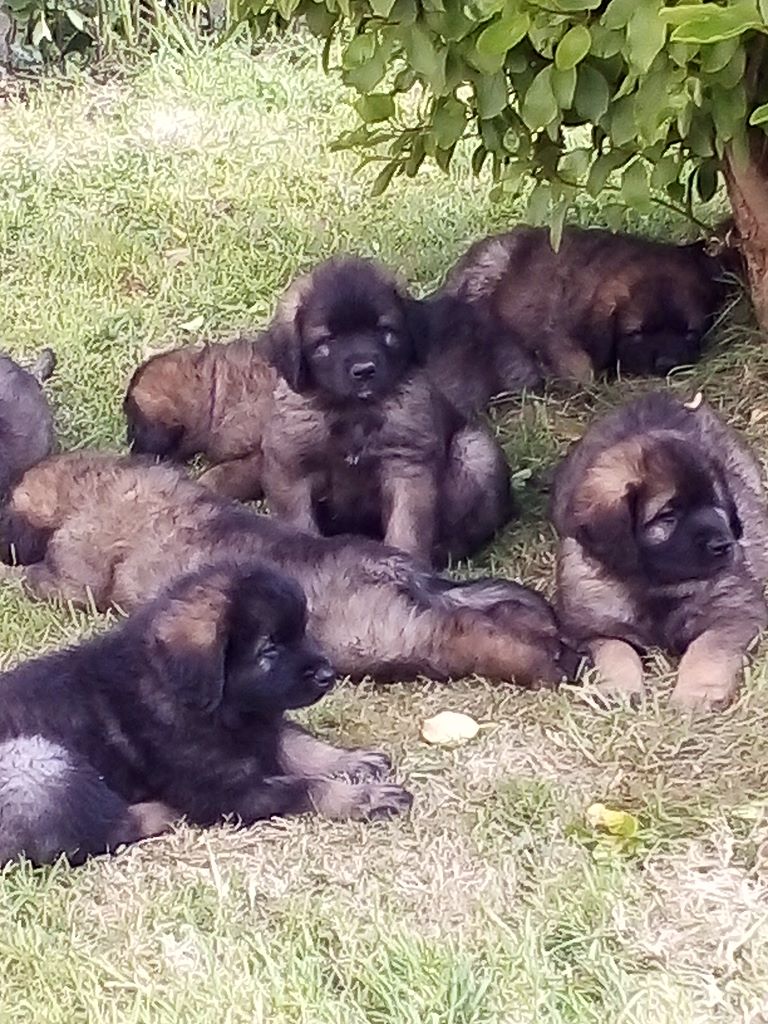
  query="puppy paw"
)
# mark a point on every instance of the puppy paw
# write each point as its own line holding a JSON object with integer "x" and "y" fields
{"x": 703, "y": 696}
{"x": 373, "y": 801}
{"x": 364, "y": 764}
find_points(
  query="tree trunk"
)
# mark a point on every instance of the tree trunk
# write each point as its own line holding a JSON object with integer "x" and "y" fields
{"x": 747, "y": 183}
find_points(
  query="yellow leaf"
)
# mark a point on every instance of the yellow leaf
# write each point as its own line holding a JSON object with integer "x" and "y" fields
{"x": 449, "y": 727}
{"x": 615, "y": 823}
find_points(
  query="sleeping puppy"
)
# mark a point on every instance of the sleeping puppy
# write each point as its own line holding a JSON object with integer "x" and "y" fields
{"x": 513, "y": 312}
{"x": 210, "y": 400}
{"x": 27, "y": 432}
{"x": 182, "y": 706}
{"x": 663, "y": 543}
{"x": 359, "y": 441}
{"x": 105, "y": 530}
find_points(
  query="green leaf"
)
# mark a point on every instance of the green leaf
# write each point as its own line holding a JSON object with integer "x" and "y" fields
{"x": 602, "y": 168}
{"x": 482, "y": 10}
{"x": 622, "y": 126}
{"x": 635, "y": 189}
{"x": 449, "y": 122}
{"x": 573, "y": 47}
{"x": 759, "y": 115}
{"x": 479, "y": 157}
{"x": 646, "y": 35}
{"x": 665, "y": 172}
{"x": 319, "y": 20}
{"x": 385, "y": 176}
{"x": 382, "y": 7}
{"x": 574, "y": 164}
{"x": 729, "y": 109}
{"x": 76, "y": 19}
{"x": 539, "y": 104}
{"x": 503, "y": 34}
{"x": 424, "y": 57}
{"x": 564, "y": 87}
{"x": 557, "y": 222}
{"x": 618, "y": 13}
{"x": 710, "y": 23}
{"x": 376, "y": 106}
{"x": 538, "y": 203}
{"x": 358, "y": 51}
{"x": 707, "y": 180}
{"x": 592, "y": 97}
{"x": 716, "y": 56}
{"x": 366, "y": 77}
{"x": 491, "y": 95}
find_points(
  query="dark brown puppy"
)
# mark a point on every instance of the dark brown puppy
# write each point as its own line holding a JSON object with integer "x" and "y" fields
{"x": 115, "y": 530}
{"x": 664, "y": 542}
{"x": 211, "y": 400}
{"x": 359, "y": 440}
{"x": 180, "y": 707}
{"x": 27, "y": 432}
{"x": 514, "y": 312}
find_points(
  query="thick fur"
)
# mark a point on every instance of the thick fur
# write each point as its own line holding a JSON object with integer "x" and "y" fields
{"x": 359, "y": 440}
{"x": 513, "y": 312}
{"x": 112, "y": 530}
{"x": 177, "y": 712}
{"x": 27, "y": 432}
{"x": 211, "y": 400}
{"x": 663, "y": 531}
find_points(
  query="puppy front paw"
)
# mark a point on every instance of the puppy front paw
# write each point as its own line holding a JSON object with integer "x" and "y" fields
{"x": 361, "y": 764}
{"x": 376, "y": 800}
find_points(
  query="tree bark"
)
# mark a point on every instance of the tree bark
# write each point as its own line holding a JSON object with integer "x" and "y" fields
{"x": 747, "y": 183}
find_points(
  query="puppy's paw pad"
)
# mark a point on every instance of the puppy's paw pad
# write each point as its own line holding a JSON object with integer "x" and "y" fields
{"x": 382, "y": 801}
{"x": 366, "y": 764}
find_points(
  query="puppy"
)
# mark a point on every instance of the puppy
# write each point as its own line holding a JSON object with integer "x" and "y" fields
{"x": 513, "y": 312}
{"x": 359, "y": 441}
{"x": 180, "y": 707}
{"x": 211, "y": 400}
{"x": 27, "y": 432}
{"x": 663, "y": 542}
{"x": 108, "y": 530}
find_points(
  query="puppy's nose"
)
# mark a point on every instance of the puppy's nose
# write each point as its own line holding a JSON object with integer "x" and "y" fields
{"x": 362, "y": 371}
{"x": 718, "y": 547}
{"x": 323, "y": 678}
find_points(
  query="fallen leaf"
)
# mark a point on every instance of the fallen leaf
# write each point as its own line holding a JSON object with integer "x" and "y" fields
{"x": 695, "y": 402}
{"x": 192, "y": 325}
{"x": 615, "y": 823}
{"x": 449, "y": 727}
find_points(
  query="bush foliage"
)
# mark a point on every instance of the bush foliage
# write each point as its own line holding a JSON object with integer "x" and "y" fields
{"x": 658, "y": 90}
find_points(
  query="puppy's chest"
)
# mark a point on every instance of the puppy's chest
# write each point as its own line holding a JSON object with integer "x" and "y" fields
{"x": 360, "y": 442}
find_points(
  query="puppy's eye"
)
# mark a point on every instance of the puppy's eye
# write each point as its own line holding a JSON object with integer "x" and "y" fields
{"x": 666, "y": 518}
{"x": 391, "y": 340}
{"x": 266, "y": 652}
{"x": 322, "y": 351}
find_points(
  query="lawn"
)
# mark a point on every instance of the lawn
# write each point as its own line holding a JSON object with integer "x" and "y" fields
{"x": 179, "y": 198}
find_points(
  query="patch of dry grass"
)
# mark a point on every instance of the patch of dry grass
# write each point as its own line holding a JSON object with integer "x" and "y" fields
{"x": 181, "y": 199}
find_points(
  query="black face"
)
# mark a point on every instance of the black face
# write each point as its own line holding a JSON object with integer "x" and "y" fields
{"x": 355, "y": 332}
{"x": 270, "y": 663}
{"x": 689, "y": 539}
{"x": 659, "y": 328}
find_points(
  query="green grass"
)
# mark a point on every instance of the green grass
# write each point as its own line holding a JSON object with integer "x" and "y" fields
{"x": 183, "y": 196}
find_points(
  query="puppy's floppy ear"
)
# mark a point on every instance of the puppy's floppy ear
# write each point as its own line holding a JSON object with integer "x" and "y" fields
{"x": 734, "y": 519}
{"x": 417, "y": 314}
{"x": 188, "y": 639}
{"x": 603, "y": 510}
{"x": 283, "y": 341}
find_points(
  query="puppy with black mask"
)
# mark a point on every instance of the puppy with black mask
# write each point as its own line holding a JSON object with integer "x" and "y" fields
{"x": 663, "y": 530}
{"x": 178, "y": 712}
{"x": 359, "y": 441}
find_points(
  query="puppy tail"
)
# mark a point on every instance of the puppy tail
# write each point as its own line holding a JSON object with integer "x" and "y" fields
{"x": 44, "y": 365}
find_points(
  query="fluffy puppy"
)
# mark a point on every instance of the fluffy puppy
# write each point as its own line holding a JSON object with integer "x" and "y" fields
{"x": 359, "y": 441}
{"x": 663, "y": 542}
{"x": 27, "y": 433}
{"x": 109, "y": 530}
{"x": 513, "y": 312}
{"x": 182, "y": 706}
{"x": 211, "y": 400}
